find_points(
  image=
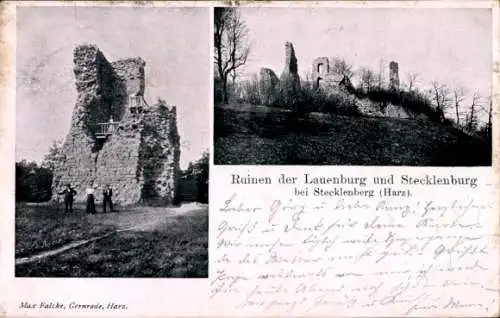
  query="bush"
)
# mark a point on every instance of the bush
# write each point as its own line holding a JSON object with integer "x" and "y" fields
{"x": 248, "y": 91}
{"x": 413, "y": 102}
{"x": 194, "y": 181}
{"x": 331, "y": 102}
{"x": 302, "y": 101}
{"x": 33, "y": 183}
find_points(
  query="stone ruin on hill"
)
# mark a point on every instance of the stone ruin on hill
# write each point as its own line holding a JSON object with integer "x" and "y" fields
{"x": 287, "y": 86}
{"x": 115, "y": 137}
{"x": 393, "y": 75}
{"x": 289, "y": 79}
{"x": 283, "y": 90}
{"x": 268, "y": 87}
{"x": 324, "y": 77}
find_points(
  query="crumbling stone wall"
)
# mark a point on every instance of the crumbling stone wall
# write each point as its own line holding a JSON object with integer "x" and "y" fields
{"x": 143, "y": 150}
{"x": 129, "y": 74}
{"x": 159, "y": 155}
{"x": 93, "y": 75}
{"x": 268, "y": 87}
{"x": 323, "y": 77}
{"x": 320, "y": 70}
{"x": 289, "y": 79}
{"x": 393, "y": 75}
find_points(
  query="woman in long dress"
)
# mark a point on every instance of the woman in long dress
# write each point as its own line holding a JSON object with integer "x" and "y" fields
{"x": 90, "y": 199}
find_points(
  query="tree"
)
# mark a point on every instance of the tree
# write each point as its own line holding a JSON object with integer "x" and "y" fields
{"x": 230, "y": 44}
{"x": 412, "y": 80}
{"x": 341, "y": 67}
{"x": 33, "y": 183}
{"x": 458, "y": 98}
{"x": 200, "y": 173}
{"x": 440, "y": 95}
{"x": 490, "y": 113}
{"x": 234, "y": 76}
{"x": 54, "y": 157}
{"x": 367, "y": 79}
{"x": 195, "y": 180}
{"x": 471, "y": 118}
{"x": 381, "y": 80}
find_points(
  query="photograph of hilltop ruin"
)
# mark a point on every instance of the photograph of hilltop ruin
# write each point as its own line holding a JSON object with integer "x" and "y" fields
{"x": 338, "y": 86}
{"x": 111, "y": 142}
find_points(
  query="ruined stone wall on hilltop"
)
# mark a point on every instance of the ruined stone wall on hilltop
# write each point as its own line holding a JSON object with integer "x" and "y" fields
{"x": 289, "y": 79}
{"x": 323, "y": 76}
{"x": 320, "y": 70}
{"x": 122, "y": 158}
{"x": 268, "y": 87}
{"x": 394, "y": 75}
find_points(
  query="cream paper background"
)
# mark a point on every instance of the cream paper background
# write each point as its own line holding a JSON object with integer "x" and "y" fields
{"x": 190, "y": 297}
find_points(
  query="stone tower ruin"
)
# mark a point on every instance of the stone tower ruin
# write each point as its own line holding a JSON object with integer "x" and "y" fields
{"x": 393, "y": 75}
{"x": 324, "y": 77}
{"x": 289, "y": 79}
{"x": 115, "y": 137}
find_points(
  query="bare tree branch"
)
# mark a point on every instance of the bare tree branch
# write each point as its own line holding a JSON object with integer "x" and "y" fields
{"x": 412, "y": 80}
{"x": 367, "y": 79}
{"x": 230, "y": 44}
{"x": 471, "y": 118}
{"x": 441, "y": 96}
{"x": 341, "y": 67}
{"x": 458, "y": 98}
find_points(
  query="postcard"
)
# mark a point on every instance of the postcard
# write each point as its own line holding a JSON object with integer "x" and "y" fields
{"x": 212, "y": 159}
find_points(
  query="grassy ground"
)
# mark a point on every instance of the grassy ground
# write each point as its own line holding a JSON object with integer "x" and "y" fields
{"x": 258, "y": 135}
{"x": 160, "y": 242}
{"x": 45, "y": 227}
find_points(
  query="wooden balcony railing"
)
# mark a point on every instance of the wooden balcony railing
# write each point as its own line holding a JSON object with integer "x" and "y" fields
{"x": 106, "y": 129}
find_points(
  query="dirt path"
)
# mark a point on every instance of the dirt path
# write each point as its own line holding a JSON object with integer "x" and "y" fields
{"x": 137, "y": 219}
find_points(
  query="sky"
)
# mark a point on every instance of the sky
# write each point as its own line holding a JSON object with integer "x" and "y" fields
{"x": 174, "y": 42}
{"x": 452, "y": 46}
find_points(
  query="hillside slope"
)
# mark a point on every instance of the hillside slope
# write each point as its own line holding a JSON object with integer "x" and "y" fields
{"x": 266, "y": 136}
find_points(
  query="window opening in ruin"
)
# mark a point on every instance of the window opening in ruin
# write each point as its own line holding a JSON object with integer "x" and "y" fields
{"x": 320, "y": 68}
{"x": 318, "y": 81}
{"x": 136, "y": 103}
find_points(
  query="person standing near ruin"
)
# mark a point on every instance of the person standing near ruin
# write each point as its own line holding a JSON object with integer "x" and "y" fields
{"x": 107, "y": 193}
{"x": 90, "y": 199}
{"x": 69, "y": 193}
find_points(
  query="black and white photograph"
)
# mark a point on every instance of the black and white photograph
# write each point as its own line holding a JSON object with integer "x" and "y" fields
{"x": 249, "y": 158}
{"x": 112, "y": 141}
{"x": 352, "y": 86}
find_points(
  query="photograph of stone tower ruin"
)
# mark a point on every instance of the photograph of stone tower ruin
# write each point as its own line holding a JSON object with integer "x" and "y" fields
{"x": 116, "y": 137}
{"x": 329, "y": 87}
{"x": 112, "y": 139}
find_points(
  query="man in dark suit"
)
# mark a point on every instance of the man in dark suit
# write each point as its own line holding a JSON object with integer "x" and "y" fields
{"x": 69, "y": 193}
{"x": 107, "y": 193}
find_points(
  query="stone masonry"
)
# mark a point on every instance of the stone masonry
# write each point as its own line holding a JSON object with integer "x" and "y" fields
{"x": 268, "y": 87}
{"x": 289, "y": 79}
{"x": 139, "y": 158}
{"x": 323, "y": 77}
{"x": 393, "y": 75}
